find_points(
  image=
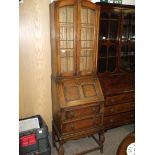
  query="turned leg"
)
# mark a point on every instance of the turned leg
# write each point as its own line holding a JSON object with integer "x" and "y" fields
{"x": 53, "y": 138}
{"x": 101, "y": 140}
{"x": 61, "y": 150}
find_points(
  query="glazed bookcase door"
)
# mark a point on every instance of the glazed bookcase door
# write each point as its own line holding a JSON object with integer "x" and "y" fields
{"x": 66, "y": 38}
{"x": 127, "y": 53}
{"x": 108, "y": 41}
{"x": 87, "y": 45}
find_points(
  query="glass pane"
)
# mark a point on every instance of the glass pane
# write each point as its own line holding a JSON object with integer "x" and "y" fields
{"x": 83, "y": 60}
{"x": 132, "y": 57}
{"x": 104, "y": 15}
{"x": 70, "y": 64}
{"x": 126, "y": 26}
{"x": 66, "y": 21}
{"x": 103, "y": 29}
{"x": 112, "y": 50}
{"x": 103, "y": 51}
{"x": 124, "y": 64}
{"x": 101, "y": 65}
{"x": 83, "y": 34}
{"x": 70, "y": 33}
{"x": 87, "y": 44}
{"x": 87, "y": 39}
{"x": 133, "y": 27}
{"x": 62, "y": 14}
{"x": 113, "y": 29}
{"x": 70, "y": 14}
{"x": 114, "y": 16}
{"x": 63, "y": 32}
{"x": 111, "y": 64}
{"x": 63, "y": 64}
{"x": 86, "y": 60}
{"x": 63, "y": 44}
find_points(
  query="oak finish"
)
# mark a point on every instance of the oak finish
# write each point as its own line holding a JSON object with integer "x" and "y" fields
{"x": 116, "y": 63}
{"x": 77, "y": 95}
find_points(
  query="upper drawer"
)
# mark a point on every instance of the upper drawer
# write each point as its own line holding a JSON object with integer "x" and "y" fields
{"x": 114, "y": 109}
{"x": 82, "y": 111}
{"x": 122, "y": 98}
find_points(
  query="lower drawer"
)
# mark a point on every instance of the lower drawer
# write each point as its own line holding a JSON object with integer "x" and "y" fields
{"x": 115, "y": 109}
{"x": 119, "y": 119}
{"x": 82, "y": 124}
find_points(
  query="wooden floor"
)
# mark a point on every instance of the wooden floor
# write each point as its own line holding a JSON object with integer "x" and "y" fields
{"x": 113, "y": 138}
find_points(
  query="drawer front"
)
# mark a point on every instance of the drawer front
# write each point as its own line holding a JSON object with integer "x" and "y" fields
{"x": 82, "y": 112}
{"x": 119, "y": 119}
{"x": 82, "y": 124}
{"x": 115, "y": 109}
{"x": 127, "y": 97}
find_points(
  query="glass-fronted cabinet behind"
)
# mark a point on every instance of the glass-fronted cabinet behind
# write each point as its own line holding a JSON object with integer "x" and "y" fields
{"x": 127, "y": 53}
{"x": 108, "y": 41}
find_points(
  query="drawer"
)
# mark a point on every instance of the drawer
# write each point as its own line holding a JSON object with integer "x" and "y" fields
{"x": 82, "y": 124}
{"x": 122, "y": 98}
{"x": 115, "y": 109}
{"x": 80, "y": 112}
{"x": 119, "y": 119}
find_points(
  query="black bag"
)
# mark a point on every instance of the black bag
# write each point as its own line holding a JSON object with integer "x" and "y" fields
{"x": 34, "y": 141}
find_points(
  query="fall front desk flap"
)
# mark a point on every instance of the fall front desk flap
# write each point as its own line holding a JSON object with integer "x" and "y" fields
{"x": 77, "y": 91}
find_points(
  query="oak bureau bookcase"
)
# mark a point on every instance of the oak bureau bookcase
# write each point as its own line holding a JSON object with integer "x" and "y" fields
{"x": 116, "y": 62}
{"x": 76, "y": 92}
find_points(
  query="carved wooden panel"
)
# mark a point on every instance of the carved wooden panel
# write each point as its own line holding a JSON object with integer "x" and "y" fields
{"x": 77, "y": 91}
{"x": 71, "y": 93}
{"x": 89, "y": 90}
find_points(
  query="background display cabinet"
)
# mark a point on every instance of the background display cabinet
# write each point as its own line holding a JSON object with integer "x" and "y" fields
{"x": 116, "y": 62}
{"x": 76, "y": 92}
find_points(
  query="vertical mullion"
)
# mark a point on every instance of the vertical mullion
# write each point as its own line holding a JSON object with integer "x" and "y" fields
{"x": 66, "y": 42}
{"x": 86, "y": 42}
{"x": 78, "y": 35}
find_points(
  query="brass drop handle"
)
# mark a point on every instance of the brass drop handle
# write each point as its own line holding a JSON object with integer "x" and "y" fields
{"x": 131, "y": 115}
{"x": 72, "y": 114}
{"x": 112, "y": 100}
{"x": 72, "y": 126}
{"x": 94, "y": 109}
{"x": 111, "y": 120}
{"x": 112, "y": 110}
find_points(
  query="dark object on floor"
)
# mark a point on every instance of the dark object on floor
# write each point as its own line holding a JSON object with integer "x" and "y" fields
{"x": 33, "y": 136}
{"x": 125, "y": 143}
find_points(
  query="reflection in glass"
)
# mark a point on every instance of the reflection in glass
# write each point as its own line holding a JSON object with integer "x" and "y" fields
{"x": 103, "y": 51}
{"x": 113, "y": 29}
{"x": 111, "y": 64}
{"x": 112, "y": 50}
{"x": 102, "y": 65}
{"x": 103, "y": 29}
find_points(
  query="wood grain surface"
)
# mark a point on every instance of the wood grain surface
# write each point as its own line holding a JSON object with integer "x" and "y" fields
{"x": 35, "y": 60}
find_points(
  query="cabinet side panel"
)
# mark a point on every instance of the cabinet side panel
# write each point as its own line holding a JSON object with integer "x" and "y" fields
{"x": 53, "y": 41}
{"x": 55, "y": 105}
